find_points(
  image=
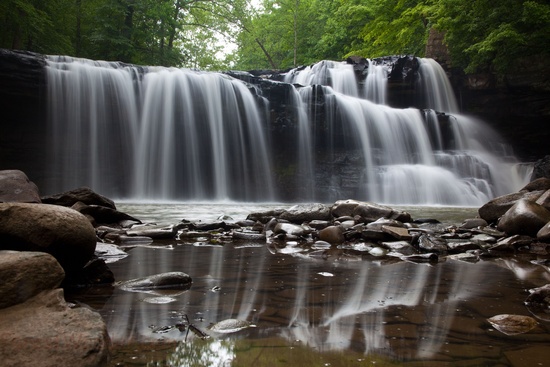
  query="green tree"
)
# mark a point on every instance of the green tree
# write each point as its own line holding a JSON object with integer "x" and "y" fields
{"x": 486, "y": 35}
{"x": 35, "y": 25}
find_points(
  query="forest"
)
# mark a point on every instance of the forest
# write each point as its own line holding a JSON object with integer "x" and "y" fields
{"x": 481, "y": 35}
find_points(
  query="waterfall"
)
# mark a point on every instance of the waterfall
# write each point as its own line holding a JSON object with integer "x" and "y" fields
{"x": 376, "y": 83}
{"x": 155, "y": 133}
{"x": 412, "y": 156}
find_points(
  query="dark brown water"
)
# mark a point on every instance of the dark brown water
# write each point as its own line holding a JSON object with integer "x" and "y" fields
{"x": 342, "y": 310}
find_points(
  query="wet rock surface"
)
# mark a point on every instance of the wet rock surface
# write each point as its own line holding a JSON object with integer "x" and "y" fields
{"x": 45, "y": 331}
{"x": 15, "y": 186}
{"x": 26, "y": 274}
{"x": 61, "y": 232}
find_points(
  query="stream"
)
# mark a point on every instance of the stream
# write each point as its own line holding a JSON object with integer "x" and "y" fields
{"x": 298, "y": 309}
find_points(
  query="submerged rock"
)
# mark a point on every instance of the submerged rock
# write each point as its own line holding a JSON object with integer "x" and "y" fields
{"x": 512, "y": 324}
{"x": 230, "y": 326}
{"x": 176, "y": 281}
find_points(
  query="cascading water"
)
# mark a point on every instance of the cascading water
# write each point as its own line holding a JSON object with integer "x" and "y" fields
{"x": 156, "y": 133}
{"x": 153, "y": 133}
{"x": 412, "y": 156}
{"x": 376, "y": 83}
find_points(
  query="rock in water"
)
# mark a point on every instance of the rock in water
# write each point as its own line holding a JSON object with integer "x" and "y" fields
{"x": 62, "y": 232}
{"x": 171, "y": 281}
{"x": 524, "y": 217}
{"x": 512, "y": 324}
{"x": 538, "y": 302}
{"x": 230, "y": 326}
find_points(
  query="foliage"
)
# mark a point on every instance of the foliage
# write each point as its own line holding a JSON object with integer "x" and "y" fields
{"x": 484, "y": 35}
{"x": 481, "y": 35}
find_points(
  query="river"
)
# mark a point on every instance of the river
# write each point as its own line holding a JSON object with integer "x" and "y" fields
{"x": 339, "y": 309}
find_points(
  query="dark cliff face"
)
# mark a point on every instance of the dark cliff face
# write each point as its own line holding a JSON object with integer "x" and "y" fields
{"x": 517, "y": 105}
{"x": 23, "y": 122}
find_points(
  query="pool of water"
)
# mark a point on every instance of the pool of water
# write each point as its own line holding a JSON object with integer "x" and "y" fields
{"x": 343, "y": 309}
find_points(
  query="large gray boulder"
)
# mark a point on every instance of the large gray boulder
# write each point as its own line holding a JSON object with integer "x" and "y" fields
{"x": 15, "y": 186}
{"x": 495, "y": 208}
{"x": 26, "y": 274}
{"x": 45, "y": 332}
{"x": 524, "y": 217}
{"x": 62, "y": 232}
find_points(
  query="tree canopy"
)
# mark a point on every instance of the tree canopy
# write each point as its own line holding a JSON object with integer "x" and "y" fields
{"x": 481, "y": 35}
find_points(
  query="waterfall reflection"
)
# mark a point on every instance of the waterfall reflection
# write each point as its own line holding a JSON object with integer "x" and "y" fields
{"x": 402, "y": 309}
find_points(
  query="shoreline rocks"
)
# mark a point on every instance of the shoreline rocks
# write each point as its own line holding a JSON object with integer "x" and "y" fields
{"x": 59, "y": 231}
{"x": 37, "y": 326}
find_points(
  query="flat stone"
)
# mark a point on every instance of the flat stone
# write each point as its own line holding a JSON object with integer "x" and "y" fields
{"x": 397, "y": 232}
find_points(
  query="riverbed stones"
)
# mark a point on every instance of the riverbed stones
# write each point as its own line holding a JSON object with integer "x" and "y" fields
{"x": 431, "y": 243}
{"x": 44, "y": 332}
{"x": 59, "y": 231}
{"x": 332, "y": 234}
{"x": 289, "y": 229}
{"x": 524, "y": 217}
{"x": 153, "y": 231}
{"x": 306, "y": 213}
{"x": 26, "y": 274}
{"x": 15, "y": 186}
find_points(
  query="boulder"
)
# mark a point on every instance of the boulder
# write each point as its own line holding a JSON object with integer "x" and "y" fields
{"x": 26, "y": 274}
{"x": 544, "y": 199}
{"x": 99, "y": 215}
{"x": 15, "y": 186}
{"x": 524, "y": 217}
{"x": 495, "y": 208}
{"x": 45, "y": 332}
{"x": 306, "y": 213}
{"x": 83, "y": 194}
{"x": 332, "y": 234}
{"x": 541, "y": 168}
{"x": 62, "y": 232}
{"x": 544, "y": 233}
{"x": 540, "y": 184}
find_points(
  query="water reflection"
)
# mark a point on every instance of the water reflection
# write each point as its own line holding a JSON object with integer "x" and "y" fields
{"x": 402, "y": 310}
{"x": 339, "y": 310}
